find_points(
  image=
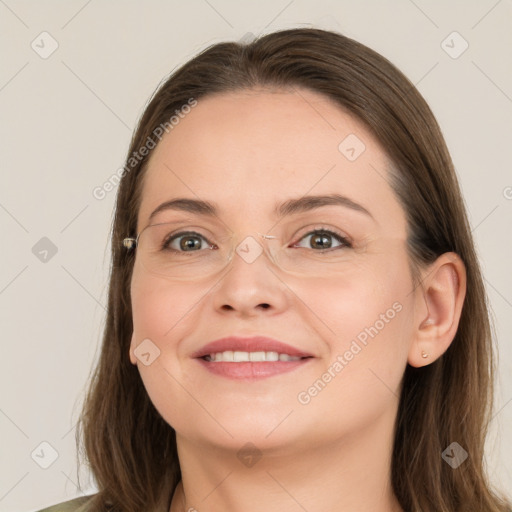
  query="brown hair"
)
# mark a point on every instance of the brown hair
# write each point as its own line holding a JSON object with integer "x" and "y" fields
{"x": 132, "y": 450}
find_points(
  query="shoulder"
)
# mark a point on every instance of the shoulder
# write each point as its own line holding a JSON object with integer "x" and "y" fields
{"x": 75, "y": 505}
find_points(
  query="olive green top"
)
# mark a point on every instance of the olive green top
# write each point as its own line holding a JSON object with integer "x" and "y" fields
{"x": 75, "y": 505}
{"x": 83, "y": 504}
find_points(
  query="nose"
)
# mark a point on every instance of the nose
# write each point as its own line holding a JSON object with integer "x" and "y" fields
{"x": 250, "y": 282}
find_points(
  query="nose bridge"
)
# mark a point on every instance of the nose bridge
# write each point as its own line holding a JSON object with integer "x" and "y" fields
{"x": 267, "y": 237}
{"x": 250, "y": 282}
{"x": 252, "y": 246}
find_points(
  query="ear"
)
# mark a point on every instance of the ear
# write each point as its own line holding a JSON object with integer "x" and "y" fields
{"x": 438, "y": 306}
{"x": 133, "y": 346}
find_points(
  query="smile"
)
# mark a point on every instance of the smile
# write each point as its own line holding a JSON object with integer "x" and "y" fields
{"x": 251, "y": 366}
{"x": 230, "y": 356}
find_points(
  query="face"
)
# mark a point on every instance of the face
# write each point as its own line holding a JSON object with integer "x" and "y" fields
{"x": 247, "y": 152}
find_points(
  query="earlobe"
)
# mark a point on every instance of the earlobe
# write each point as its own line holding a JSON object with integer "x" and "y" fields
{"x": 133, "y": 359}
{"x": 442, "y": 295}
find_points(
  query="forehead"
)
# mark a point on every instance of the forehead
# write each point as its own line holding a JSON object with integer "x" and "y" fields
{"x": 246, "y": 151}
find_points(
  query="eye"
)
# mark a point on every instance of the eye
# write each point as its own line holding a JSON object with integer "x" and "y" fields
{"x": 322, "y": 239}
{"x": 186, "y": 241}
{"x": 190, "y": 241}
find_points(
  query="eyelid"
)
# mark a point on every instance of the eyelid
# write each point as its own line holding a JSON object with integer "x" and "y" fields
{"x": 343, "y": 238}
{"x": 172, "y": 237}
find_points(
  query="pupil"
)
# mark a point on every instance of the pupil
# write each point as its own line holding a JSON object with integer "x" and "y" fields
{"x": 189, "y": 243}
{"x": 324, "y": 241}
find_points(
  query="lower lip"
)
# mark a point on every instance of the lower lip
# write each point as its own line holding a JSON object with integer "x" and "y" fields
{"x": 252, "y": 370}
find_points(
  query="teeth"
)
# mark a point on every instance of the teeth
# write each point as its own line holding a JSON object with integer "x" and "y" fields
{"x": 230, "y": 356}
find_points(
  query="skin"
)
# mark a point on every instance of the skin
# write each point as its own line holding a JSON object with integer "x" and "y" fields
{"x": 333, "y": 453}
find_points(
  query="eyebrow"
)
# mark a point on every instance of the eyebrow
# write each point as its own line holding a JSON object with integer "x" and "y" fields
{"x": 289, "y": 207}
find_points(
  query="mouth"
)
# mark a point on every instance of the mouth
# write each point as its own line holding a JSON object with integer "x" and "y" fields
{"x": 250, "y": 358}
{"x": 237, "y": 356}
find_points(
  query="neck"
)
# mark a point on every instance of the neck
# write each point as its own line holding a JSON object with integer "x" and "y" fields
{"x": 351, "y": 474}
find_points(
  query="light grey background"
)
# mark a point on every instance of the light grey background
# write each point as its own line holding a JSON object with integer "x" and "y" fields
{"x": 66, "y": 122}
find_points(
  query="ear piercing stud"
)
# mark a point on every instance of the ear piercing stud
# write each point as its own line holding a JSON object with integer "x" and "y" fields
{"x": 424, "y": 354}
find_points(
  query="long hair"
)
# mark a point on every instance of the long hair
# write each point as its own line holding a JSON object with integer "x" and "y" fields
{"x": 130, "y": 448}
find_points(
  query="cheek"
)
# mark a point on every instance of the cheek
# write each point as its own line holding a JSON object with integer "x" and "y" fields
{"x": 360, "y": 379}
{"x": 163, "y": 313}
{"x": 369, "y": 314}
{"x": 160, "y": 307}
{"x": 364, "y": 319}
{"x": 370, "y": 296}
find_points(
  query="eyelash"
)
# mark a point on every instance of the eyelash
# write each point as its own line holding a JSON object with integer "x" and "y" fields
{"x": 321, "y": 230}
{"x": 341, "y": 238}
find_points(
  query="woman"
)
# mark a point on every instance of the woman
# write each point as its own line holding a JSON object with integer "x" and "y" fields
{"x": 296, "y": 317}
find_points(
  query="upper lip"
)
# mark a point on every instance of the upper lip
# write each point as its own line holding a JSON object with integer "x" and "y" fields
{"x": 252, "y": 344}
